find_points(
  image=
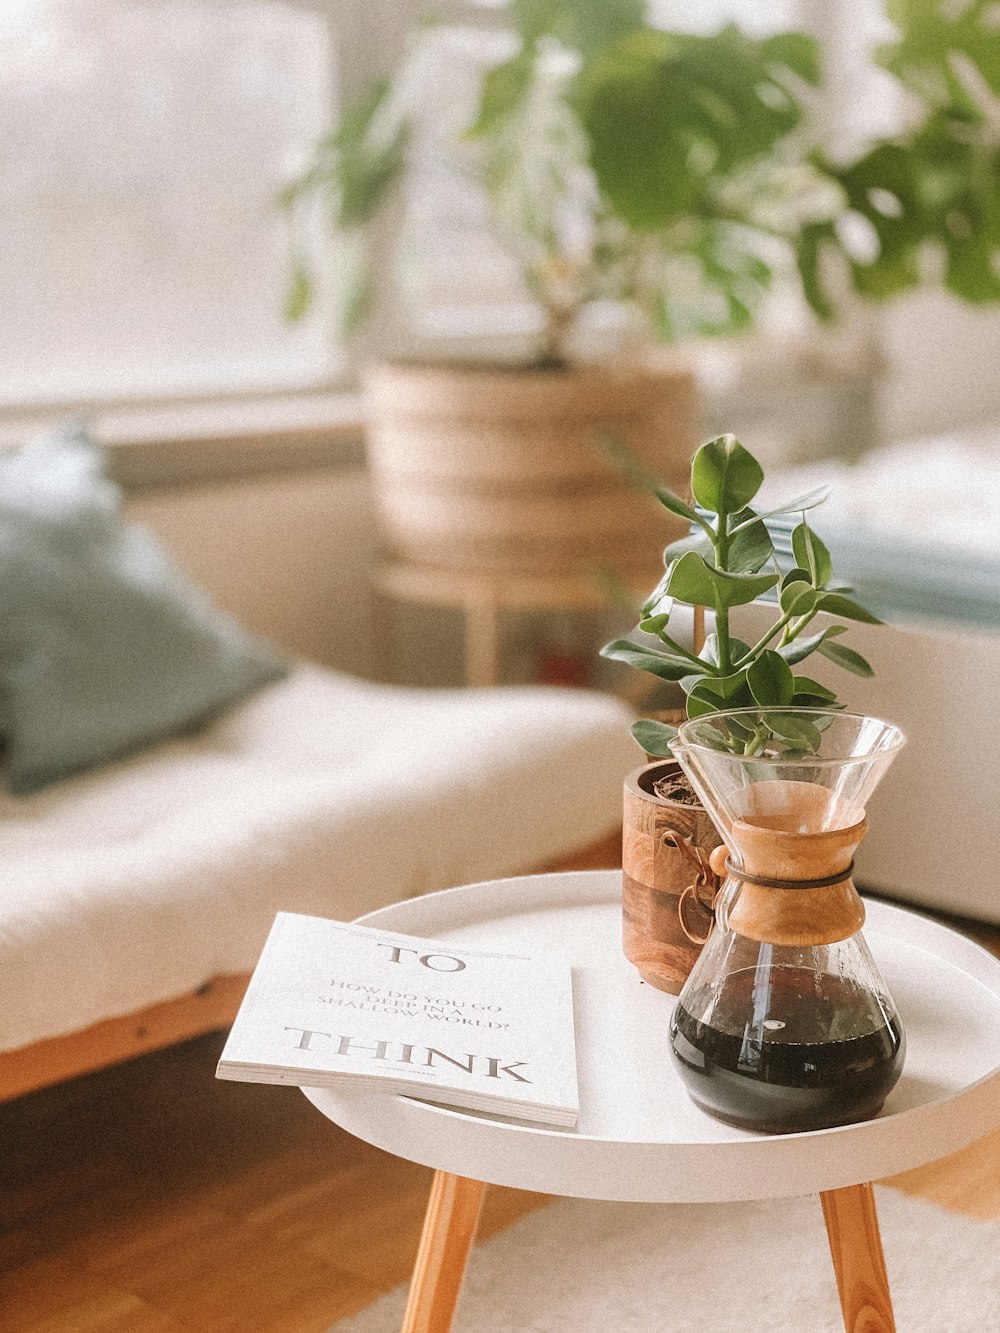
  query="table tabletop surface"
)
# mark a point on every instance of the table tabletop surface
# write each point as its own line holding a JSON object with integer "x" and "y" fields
{"x": 639, "y": 1137}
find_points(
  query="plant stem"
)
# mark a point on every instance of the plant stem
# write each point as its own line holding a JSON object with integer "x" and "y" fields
{"x": 756, "y": 742}
{"x": 793, "y": 631}
{"x": 762, "y": 643}
{"x": 703, "y": 666}
{"x": 722, "y": 612}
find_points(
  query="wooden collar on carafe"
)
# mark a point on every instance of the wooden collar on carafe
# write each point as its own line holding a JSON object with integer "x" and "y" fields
{"x": 785, "y": 837}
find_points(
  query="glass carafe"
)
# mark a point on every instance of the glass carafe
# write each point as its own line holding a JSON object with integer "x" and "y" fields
{"x": 785, "y": 1023}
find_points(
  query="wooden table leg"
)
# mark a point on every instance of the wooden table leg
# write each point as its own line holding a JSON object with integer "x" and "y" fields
{"x": 449, "y": 1230}
{"x": 858, "y": 1261}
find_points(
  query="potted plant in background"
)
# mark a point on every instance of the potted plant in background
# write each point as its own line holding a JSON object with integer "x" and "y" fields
{"x": 728, "y": 561}
{"x": 666, "y": 176}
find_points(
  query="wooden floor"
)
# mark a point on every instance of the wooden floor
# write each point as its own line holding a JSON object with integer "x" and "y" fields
{"x": 152, "y": 1198}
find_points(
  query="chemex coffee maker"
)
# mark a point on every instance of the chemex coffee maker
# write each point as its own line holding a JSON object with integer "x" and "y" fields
{"x": 785, "y": 1023}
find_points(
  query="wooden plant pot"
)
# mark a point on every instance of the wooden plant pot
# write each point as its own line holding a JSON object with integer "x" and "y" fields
{"x": 501, "y": 470}
{"x": 663, "y": 844}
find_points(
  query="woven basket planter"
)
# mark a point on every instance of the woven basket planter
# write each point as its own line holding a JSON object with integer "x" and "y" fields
{"x": 501, "y": 470}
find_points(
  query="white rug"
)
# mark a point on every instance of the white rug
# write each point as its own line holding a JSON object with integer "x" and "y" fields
{"x": 581, "y": 1267}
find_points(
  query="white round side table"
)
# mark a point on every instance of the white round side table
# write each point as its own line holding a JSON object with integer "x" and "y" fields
{"x": 639, "y": 1137}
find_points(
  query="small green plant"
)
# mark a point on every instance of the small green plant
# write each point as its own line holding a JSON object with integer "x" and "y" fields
{"x": 728, "y": 562}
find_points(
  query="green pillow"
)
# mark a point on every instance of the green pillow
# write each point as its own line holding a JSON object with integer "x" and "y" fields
{"x": 105, "y": 647}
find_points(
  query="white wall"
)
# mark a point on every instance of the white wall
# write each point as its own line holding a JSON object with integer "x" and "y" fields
{"x": 942, "y": 372}
{"x": 933, "y": 837}
{"x": 295, "y": 557}
{"x": 290, "y": 556}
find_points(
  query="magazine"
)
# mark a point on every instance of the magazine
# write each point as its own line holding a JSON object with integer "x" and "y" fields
{"x": 355, "y": 1007}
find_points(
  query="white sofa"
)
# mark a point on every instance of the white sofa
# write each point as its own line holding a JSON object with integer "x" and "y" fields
{"x": 135, "y": 897}
{"x": 144, "y": 882}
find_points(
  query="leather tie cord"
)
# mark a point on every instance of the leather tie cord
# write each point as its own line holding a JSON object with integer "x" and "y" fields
{"x": 766, "y": 883}
{"x": 705, "y": 878}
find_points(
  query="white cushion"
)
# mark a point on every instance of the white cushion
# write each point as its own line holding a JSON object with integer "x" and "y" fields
{"x": 325, "y": 794}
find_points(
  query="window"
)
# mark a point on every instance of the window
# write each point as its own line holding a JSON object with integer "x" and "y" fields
{"x": 458, "y": 279}
{"x": 144, "y": 144}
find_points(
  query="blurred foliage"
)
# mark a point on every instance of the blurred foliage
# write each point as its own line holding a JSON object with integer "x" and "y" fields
{"x": 676, "y": 173}
{"x": 934, "y": 191}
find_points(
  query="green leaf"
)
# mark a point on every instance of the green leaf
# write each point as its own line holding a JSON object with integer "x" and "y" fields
{"x": 806, "y": 685}
{"x": 582, "y": 25}
{"x": 815, "y": 701}
{"x": 834, "y": 604}
{"x": 690, "y": 580}
{"x": 770, "y": 680}
{"x": 794, "y": 576}
{"x": 299, "y": 292}
{"x": 797, "y": 52}
{"x": 693, "y": 581}
{"x": 934, "y": 38}
{"x": 697, "y": 706}
{"x": 710, "y": 649}
{"x": 630, "y": 113}
{"x": 365, "y": 169}
{"x": 799, "y": 649}
{"x": 742, "y": 731}
{"x": 847, "y": 658}
{"x": 736, "y": 694}
{"x": 883, "y": 188}
{"x": 676, "y": 505}
{"x": 638, "y": 475}
{"x": 798, "y": 598}
{"x": 504, "y": 88}
{"x": 728, "y": 281}
{"x": 689, "y": 683}
{"x": 723, "y": 688}
{"x": 811, "y": 554}
{"x": 710, "y": 735}
{"x": 724, "y": 476}
{"x": 751, "y": 547}
{"x": 812, "y": 242}
{"x": 971, "y": 260}
{"x": 654, "y": 737}
{"x": 651, "y": 605}
{"x": 653, "y": 624}
{"x": 663, "y": 665}
{"x": 672, "y": 119}
{"x": 698, "y": 542}
{"x": 801, "y": 502}
{"x": 797, "y": 730}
